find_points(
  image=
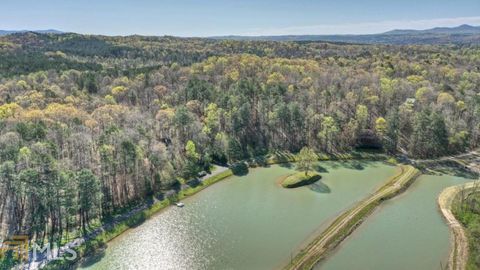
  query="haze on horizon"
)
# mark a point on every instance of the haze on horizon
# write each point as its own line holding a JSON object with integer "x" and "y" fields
{"x": 229, "y": 17}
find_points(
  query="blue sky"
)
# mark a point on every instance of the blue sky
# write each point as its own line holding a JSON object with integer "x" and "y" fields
{"x": 240, "y": 17}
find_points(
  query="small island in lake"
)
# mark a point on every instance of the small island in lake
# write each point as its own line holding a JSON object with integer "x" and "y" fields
{"x": 305, "y": 160}
{"x": 300, "y": 179}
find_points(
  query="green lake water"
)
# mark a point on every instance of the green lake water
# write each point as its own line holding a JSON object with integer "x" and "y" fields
{"x": 245, "y": 222}
{"x": 407, "y": 232}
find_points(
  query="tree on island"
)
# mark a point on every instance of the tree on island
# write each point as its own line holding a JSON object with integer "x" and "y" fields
{"x": 305, "y": 159}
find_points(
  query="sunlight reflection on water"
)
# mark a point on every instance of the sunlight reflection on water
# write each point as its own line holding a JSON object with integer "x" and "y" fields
{"x": 246, "y": 222}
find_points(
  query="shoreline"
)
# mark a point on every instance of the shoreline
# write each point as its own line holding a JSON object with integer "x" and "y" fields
{"x": 91, "y": 246}
{"x": 459, "y": 250}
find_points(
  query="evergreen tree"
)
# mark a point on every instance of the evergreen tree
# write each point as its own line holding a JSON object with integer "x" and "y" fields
{"x": 89, "y": 196}
{"x": 392, "y": 132}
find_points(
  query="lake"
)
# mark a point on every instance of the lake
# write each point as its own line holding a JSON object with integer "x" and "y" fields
{"x": 244, "y": 222}
{"x": 407, "y": 232}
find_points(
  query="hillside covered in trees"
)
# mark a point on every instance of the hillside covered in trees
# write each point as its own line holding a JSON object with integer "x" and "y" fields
{"x": 463, "y": 34}
{"x": 94, "y": 124}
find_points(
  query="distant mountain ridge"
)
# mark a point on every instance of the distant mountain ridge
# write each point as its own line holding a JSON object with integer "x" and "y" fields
{"x": 462, "y": 29}
{"x": 463, "y": 34}
{"x": 48, "y": 31}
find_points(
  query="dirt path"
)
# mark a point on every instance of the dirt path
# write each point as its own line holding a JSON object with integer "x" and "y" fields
{"x": 459, "y": 242}
{"x": 349, "y": 220}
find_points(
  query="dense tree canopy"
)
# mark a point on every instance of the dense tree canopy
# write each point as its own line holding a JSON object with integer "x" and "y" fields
{"x": 90, "y": 125}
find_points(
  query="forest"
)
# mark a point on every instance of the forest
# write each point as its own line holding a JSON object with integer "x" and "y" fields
{"x": 91, "y": 125}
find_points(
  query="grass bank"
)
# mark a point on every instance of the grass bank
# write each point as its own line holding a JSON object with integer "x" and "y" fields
{"x": 346, "y": 223}
{"x": 280, "y": 157}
